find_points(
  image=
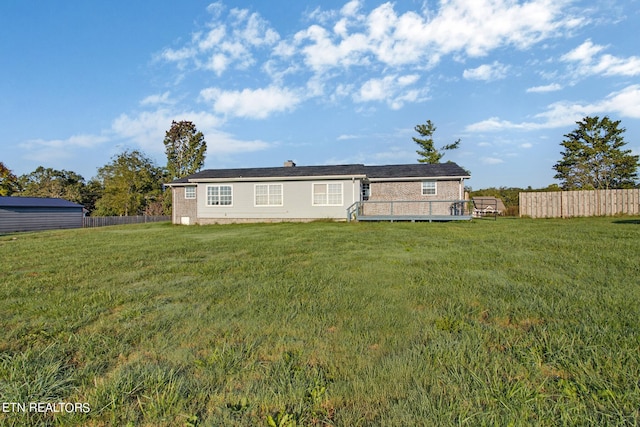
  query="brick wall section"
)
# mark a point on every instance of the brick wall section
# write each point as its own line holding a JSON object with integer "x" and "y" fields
{"x": 411, "y": 191}
{"x": 183, "y": 207}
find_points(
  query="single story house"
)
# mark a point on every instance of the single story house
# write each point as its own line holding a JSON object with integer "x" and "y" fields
{"x": 38, "y": 213}
{"x": 307, "y": 193}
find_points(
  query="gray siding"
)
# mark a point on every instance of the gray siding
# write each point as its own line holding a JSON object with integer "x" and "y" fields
{"x": 297, "y": 203}
{"x": 14, "y": 219}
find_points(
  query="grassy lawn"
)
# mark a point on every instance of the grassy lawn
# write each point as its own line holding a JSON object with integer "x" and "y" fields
{"x": 508, "y": 322}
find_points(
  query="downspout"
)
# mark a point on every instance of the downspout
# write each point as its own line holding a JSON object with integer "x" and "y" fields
{"x": 353, "y": 190}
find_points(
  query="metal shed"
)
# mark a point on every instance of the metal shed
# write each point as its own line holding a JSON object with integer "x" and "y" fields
{"x": 38, "y": 213}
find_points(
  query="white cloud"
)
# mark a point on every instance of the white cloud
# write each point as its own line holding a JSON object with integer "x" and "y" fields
{"x": 491, "y": 160}
{"x": 408, "y": 79}
{"x": 147, "y": 130}
{"x": 256, "y": 104}
{"x": 347, "y": 137}
{"x": 625, "y": 103}
{"x": 157, "y": 99}
{"x": 351, "y": 8}
{"x": 231, "y": 41}
{"x": 75, "y": 141}
{"x": 486, "y": 72}
{"x": 224, "y": 143}
{"x": 46, "y": 151}
{"x": 492, "y": 124}
{"x": 526, "y": 145}
{"x": 458, "y": 26}
{"x": 390, "y": 89}
{"x": 213, "y": 38}
{"x": 546, "y": 88}
{"x": 583, "y": 53}
{"x": 381, "y": 40}
{"x": 589, "y": 62}
{"x": 216, "y": 9}
{"x": 377, "y": 89}
{"x": 613, "y": 66}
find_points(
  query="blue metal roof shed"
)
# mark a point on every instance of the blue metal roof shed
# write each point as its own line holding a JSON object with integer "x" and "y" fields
{"x": 38, "y": 213}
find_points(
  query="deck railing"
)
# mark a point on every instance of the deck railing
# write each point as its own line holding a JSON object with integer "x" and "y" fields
{"x": 440, "y": 210}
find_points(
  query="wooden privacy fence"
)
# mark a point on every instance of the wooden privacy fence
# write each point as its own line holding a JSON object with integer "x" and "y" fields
{"x": 566, "y": 204}
{"x": 103, "y": 221}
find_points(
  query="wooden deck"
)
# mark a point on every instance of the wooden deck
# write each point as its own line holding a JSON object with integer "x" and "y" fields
{"x": 414, "y": 218}
{"x": 412, "y": 210}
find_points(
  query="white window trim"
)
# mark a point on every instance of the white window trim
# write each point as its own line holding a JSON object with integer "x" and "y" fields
{"x": 435, "y": 187}
{"x": 268, "y": 204}
{"x": 313, "y": 199}
{"x": 219, "y": 205}
{"x": 186, "y": 194}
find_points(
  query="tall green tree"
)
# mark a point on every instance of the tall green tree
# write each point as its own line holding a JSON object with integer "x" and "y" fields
{"x": 48, "y": 182}
{"x": 594, "y": 157}
{"x": 8, "y": 181}
{"x": 185, "y": 148}
{"x": 428, "y": 152}
{"x": 130, "y": 183}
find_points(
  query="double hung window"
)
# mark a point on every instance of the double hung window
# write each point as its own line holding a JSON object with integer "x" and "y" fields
{"x": 268, "y": 194}
{"x": 190, "y": 192}
{"x": 329, "y": 194}
{"x": 219, "y": 195}
{"x": 429, "y": 188}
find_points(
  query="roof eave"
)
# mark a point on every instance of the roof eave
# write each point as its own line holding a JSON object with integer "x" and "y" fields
{"x": 273, "y": 178}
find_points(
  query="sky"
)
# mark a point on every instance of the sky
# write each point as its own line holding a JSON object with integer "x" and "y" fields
{"x": 316, "y": 82}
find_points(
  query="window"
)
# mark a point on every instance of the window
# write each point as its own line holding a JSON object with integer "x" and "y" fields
{"x": 327, "y": 194}
{"x": 219, "y": 195}
{"x": 365, "y": 191}
{"x": 428, "y": 188}
{"x": 190, "y": 192}
{"x": 268, "y": 194}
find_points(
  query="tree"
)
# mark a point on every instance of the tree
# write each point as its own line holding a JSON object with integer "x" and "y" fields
{"x": 8, "y": 181}
{"x": 47, "y": 182}
{"x": 93, "y": 192}
{"x": 427, "y": 152}
{"x": 594, "y": 157}
{"x": 185, "y": 148}
{"x": 130, "y": 183}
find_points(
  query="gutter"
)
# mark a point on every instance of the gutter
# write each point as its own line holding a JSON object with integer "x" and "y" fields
{"x": 416, "y": 178}
{"x": 270, "y": 178}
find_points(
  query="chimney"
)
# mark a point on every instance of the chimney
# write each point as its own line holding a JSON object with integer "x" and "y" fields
{"x": 289, "y": 164}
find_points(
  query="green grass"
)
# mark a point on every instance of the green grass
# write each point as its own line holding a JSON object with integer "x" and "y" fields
{"x": 508, "y": 322}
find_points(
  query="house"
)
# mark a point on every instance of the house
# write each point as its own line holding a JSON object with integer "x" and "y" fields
{"x": 38, "y": 213}
{"x": 307, "y": 193}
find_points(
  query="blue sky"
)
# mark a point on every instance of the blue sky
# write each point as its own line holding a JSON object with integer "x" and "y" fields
{"x": 317, "y": 82}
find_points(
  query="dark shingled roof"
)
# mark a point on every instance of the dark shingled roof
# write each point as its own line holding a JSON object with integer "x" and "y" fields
{"x": 388, "y": 171}
{"x": 36, "y": 202}
{"x": 416, "y": 170}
